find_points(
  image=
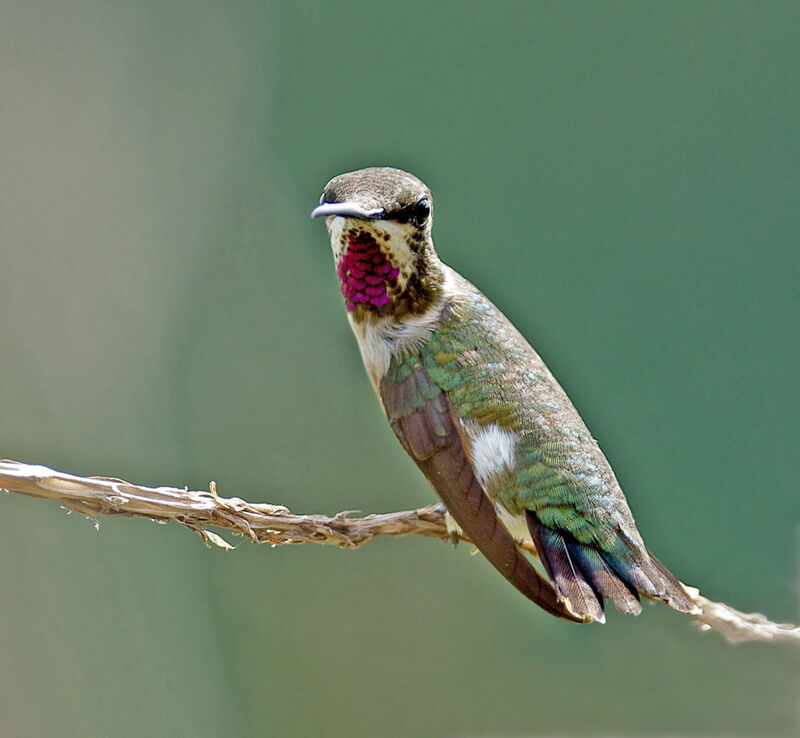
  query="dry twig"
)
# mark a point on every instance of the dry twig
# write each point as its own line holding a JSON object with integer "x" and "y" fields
{"x": 274, "y": 524}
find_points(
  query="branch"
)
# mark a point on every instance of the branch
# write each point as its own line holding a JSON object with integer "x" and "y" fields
{"x": 276, "y": 525}
{"x": 260, "y": 522}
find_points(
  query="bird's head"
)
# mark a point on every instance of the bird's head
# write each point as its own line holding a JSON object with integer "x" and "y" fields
{"x": 379, "y": 221}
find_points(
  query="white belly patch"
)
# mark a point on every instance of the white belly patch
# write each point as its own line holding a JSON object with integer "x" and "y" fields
{"x": 493, "y": 451}
{"x": 492, "y": 448}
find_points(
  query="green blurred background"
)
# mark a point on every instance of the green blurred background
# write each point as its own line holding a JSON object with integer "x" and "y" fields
{"x": 622, "y": 178}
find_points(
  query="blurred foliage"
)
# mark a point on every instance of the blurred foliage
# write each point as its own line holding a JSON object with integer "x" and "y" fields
{"x": 621, "y": 178}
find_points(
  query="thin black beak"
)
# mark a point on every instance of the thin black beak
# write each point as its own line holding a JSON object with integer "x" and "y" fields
{"x": 345, "y": 210}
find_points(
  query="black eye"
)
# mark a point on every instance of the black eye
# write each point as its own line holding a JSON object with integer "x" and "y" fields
{"x": 422, "y": 211}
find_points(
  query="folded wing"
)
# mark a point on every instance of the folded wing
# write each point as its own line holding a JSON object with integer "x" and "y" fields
{"x": 423, "y": 421}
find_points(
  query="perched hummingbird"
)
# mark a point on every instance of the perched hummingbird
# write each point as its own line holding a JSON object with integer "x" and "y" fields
{"x": 479, "y": 412}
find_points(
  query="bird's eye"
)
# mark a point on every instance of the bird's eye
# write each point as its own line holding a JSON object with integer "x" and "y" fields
{"x": 422, "y": 211}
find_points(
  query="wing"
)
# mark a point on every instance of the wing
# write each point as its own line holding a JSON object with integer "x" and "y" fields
{"x": 421, "y": 417}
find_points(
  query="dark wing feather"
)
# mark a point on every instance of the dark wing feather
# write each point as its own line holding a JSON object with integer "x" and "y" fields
{"x": 421, "y": 417}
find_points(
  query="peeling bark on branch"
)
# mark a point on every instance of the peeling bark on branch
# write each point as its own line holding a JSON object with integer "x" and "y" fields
{"x": 275, "y": 524}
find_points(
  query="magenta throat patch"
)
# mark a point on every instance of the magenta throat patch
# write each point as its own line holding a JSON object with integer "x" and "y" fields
{"x": 365, "y": 273}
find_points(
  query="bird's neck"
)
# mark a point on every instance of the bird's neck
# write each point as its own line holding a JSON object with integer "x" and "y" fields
{"x": 415, "y": 314}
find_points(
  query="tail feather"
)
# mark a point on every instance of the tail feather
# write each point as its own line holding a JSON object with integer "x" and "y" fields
{"x": 673, "y": 593}
{"x": 586, "y": 576}
{"x": 565, "y": 571}
{"x": 605, "y": 581}
{"x": 648, "y": 576}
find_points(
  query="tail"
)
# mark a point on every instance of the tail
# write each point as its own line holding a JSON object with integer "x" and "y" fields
{"x": 586, "y": 576}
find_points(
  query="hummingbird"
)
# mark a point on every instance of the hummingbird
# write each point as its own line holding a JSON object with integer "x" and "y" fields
{"x": 480, "y": 414}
